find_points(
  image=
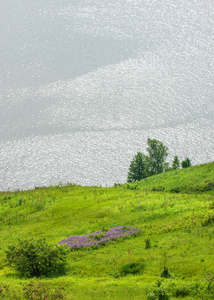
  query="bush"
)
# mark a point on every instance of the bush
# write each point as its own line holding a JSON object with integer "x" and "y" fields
{"x": 181, "y": 292}
{"x": 159, "y": 188}
{"x": 147, "y": 244}
{"x": 165, "y": 273}
{"x": 175, "y": 190}
{"x": 37, "y": 258}
{"x": 186, "y": 163}
{"x": 159, "y": 293}
{"x": 208, "y": 220}
{"x": 208, "y": 185}
{"x": 131, "y": 268}
{"x": 133, "y": 186}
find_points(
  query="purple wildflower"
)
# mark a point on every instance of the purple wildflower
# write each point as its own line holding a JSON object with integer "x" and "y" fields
{"x": 100, "y": 237}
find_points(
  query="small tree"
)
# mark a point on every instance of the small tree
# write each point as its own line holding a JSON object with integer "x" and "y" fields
{"x": 143, "y": 166}
{"x": 186, "y": 163}
{"x": 37, "y": 258}
{"x": 157, "y": 156}
{"x": 176, "y": 163}
{"x": 137, "y": 169}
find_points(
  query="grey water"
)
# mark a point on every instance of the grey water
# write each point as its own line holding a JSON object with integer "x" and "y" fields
{"x": 84, "y": 83}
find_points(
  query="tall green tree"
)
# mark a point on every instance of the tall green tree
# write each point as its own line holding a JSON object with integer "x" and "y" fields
{"x": 176, "y": 163}
{"x": 186, "y": 163}
{"x": 137, "y": 169}
{"x": 157, "y": 156}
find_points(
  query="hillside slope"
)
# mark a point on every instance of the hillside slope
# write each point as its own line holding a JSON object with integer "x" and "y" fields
{"x": 196, "y": 179}
{"x": 177, "y": 233}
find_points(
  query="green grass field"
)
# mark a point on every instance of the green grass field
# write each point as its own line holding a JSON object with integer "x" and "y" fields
{"x": 174, "y": 210}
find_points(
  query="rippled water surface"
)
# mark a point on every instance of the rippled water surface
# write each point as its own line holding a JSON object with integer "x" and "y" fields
{"x": 83, "y": 84}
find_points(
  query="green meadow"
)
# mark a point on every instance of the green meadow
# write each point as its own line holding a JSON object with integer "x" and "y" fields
{"x": 174, "y": 210}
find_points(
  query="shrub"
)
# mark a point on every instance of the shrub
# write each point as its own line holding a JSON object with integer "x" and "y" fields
{"x": 211, "y": 206}
{"x": 208, "y": 220}
{"x": 36, "y": 258}
{"x": 132, "y": 268}
{"x": 165, "y": 273}
{"x": 147, "y": 244}
{"x": 159, "y": 293}
{"x": 182, "y": 291}
{"x": 175, "y": 190}
{"x": 208, "y": 185}
{"x": 98, "y": 237}
{"x": 159, "y": 188}
{"x": 133, "y": 186}
{"x": 176, "y": 163}
{"x": 186, "y": 163}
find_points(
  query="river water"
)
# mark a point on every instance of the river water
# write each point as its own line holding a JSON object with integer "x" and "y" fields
{"x": 83, "y": 84}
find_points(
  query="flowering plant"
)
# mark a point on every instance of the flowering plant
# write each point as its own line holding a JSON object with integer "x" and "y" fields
{"x": 100, "y": 237}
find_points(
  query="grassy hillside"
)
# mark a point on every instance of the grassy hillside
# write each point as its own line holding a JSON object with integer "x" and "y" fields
{"x": 196, "y": 179}
{"x": 179, "y": 228}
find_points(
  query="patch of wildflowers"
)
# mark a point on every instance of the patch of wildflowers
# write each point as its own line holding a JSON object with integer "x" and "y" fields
{"x": 100, "y": 237}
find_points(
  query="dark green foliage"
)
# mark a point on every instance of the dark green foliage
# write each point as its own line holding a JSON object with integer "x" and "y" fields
{"x": 186, "y": 163}
{"x": 157, "y": 156}
{"x": 211, "y": 206}
{"x": 143, "y": 166}
{"x": 165, "y": 273}
{"x": 133, "y": 186}
{"x": 208, "y": 220}
{"x": 137, "y": 168}
{"x": 208, "y": 185}
{"x": 182, "y": 291}
{"x": 147, "y": 244}
{"x": 175, "y": 163}
{"x": 20, "y": 201}
{"x": 175, "y": 190}
{"x": 37, "y": 258}
{"x": 132, "y": 268}
{"x": 158, "y": 188}
{"x": 98, "y": 237}
{"x": 166, "y": 167}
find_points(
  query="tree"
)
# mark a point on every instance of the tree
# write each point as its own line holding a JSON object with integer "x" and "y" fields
{"x": 176, "y": 163}
{"x": 157, "y": 156}
{"x": 143, "y": 166}
{"x": 186, "y": 163}
{"x": 137, "y": 169}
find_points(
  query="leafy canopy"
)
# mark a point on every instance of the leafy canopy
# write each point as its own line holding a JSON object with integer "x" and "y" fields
{"x": 176, "y": 163}
{"x": 157, "y": 156}
{"x": 186, "y": 163}
{"x": 37, "y": 258}
{"x": 143, "y": 166}
{"x": 137, "y": 169}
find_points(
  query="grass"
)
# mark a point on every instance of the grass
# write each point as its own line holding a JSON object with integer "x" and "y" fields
{"x": 179, "y": 226}
{"x": 197, "y": 179}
